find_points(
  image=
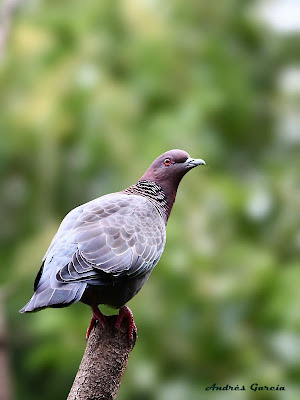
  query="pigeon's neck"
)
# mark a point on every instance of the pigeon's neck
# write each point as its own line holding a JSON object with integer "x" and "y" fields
{"x": 155, "y": 193}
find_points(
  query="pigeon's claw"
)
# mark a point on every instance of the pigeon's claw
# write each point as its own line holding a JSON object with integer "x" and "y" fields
{"x": 125, "y": 312}
{"x": 91, "y": 326}
{"x": 97, "y": 316}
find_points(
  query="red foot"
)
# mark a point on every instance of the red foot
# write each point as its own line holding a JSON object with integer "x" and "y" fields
{"x": 125, "y": 312}
{"x": 97, "y": 316}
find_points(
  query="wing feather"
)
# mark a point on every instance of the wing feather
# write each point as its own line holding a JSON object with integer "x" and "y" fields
{"x": 110, "y": 237}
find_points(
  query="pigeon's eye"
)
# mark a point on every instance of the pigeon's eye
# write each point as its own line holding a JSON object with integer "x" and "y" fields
{"x": 168, "y": 162}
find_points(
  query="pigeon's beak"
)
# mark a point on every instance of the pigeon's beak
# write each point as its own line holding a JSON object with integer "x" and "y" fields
{"x": 194, "y": 162}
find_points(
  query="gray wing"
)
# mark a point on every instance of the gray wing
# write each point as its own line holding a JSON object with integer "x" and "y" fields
{"x": 98, "y": 243}
{"x": 115, "y": 236}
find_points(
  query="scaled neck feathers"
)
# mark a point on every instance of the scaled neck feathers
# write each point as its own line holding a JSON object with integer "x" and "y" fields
{"x": 155, "y": 193}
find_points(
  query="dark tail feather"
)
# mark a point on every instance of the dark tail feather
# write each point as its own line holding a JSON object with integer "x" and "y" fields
{"x": 53, "y": 298}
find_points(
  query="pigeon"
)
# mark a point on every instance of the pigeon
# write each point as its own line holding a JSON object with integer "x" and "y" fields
{"x": 105, "y": 250}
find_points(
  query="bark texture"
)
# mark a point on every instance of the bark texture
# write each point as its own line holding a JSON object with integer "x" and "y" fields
{"x": 103, "y": 364}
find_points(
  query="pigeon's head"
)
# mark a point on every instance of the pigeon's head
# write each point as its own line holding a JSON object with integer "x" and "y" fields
{"x": 169, "y": 168}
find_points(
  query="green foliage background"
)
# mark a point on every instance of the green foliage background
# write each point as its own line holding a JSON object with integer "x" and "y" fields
{"x": 91, "y": 92}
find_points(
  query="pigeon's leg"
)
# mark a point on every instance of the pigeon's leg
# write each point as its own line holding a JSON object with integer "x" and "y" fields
{"x": 125, "y": 312}
{"x": 97, "y": 316}
{"x": 91, "y": 326}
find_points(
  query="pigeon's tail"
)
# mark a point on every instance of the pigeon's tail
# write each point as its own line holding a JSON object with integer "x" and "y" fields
{"x": 54, "y": 298}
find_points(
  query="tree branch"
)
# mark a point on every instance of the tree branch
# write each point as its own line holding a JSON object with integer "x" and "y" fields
{"x": 103, "y": 364}
{"x": 8, "y": 8}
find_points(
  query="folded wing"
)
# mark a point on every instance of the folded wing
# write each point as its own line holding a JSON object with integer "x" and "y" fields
{"x": 123, "y": 235}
